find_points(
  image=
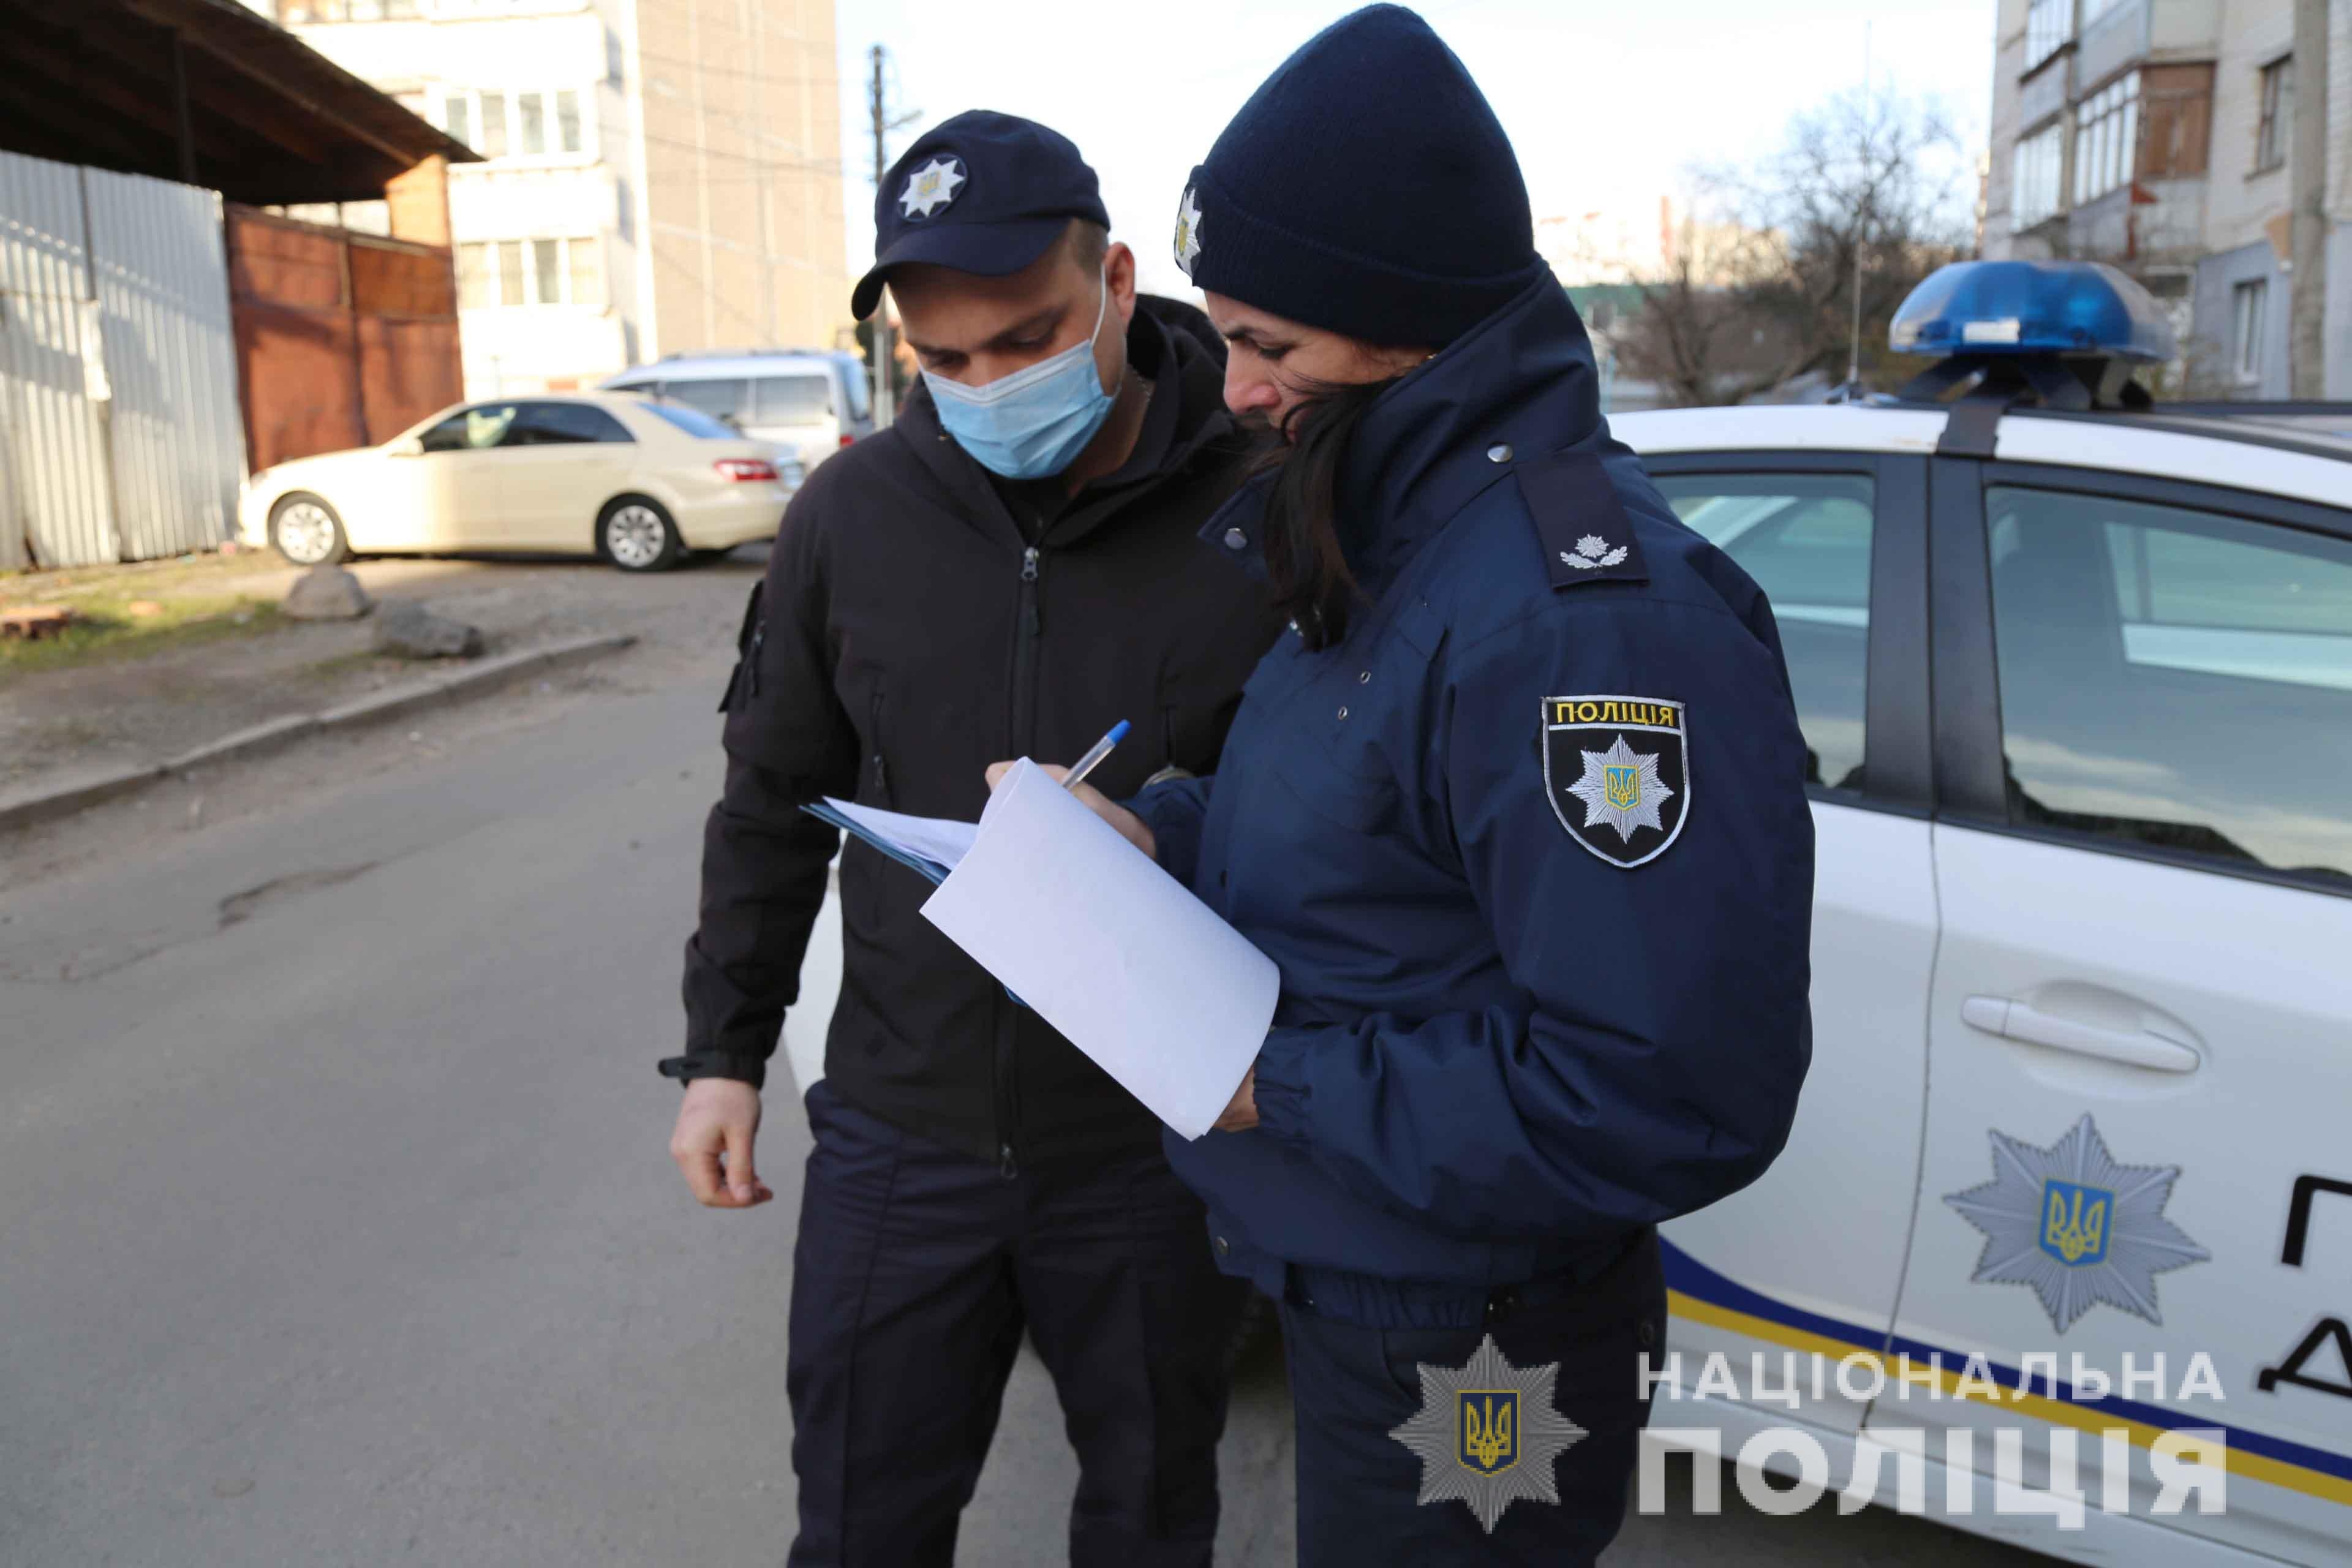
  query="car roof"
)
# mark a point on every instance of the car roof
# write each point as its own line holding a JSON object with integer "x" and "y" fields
{"x": 725, "y": 367}
{"x": 2284, "y": 455}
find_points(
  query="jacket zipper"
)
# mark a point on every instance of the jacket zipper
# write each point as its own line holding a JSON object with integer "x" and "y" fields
{"x": 1029, "y": 626}
{"x": 874, "y": 738}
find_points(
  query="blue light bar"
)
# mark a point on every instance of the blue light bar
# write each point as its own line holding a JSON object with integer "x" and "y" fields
{"x": 2032, "y": 307}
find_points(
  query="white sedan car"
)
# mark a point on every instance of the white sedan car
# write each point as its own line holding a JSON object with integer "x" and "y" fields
{"x": 2069, "y": 1197}
{"x": 637, "y": 481}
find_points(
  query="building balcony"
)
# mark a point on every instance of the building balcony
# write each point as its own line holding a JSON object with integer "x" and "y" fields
{"x": 2136, "y": 32}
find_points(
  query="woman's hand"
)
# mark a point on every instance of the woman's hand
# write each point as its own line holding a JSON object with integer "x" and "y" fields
{"x": 1130, "y": 827}
{"x": 1241, "y": 1114}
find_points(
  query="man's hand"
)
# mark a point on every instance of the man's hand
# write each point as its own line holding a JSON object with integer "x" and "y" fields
{"x": 1241, "y": 1114}
{"x": 1130, "y": 827}
{"x": 720, "y": 1116}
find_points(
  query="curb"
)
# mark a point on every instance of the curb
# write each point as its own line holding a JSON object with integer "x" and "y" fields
{"x": 54, "y": 800}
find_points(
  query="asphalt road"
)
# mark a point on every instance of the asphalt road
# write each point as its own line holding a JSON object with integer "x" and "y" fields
{"x": 337, "y": 1224}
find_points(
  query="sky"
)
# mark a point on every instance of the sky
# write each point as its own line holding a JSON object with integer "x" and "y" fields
{"x": 1608, "y": 102}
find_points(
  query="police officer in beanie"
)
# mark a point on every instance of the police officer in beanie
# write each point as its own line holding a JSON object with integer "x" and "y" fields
{"x": 1519, "y": 809}
{"x": 1007, "y": 570}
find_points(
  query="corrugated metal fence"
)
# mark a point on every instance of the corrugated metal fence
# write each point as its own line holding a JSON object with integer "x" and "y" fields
{"x": 120, "y": 437}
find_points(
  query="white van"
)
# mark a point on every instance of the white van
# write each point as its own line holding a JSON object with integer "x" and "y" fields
{"x": 811, "y": 402}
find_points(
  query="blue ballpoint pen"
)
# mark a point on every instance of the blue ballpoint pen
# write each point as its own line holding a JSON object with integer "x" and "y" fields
{"x": 1095, "y": 754}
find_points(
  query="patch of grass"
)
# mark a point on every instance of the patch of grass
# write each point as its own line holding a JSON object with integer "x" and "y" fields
{"x": 105, "y": 629}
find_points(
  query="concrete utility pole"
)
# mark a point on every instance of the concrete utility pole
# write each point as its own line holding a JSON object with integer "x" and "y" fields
{"x": 884, "y": 344}
{"x": 2307, "y": 289}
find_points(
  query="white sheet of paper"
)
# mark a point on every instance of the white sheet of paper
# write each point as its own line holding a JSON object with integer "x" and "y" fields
{"x": 935, "y": 838}
{"x": 1110, "y": 949}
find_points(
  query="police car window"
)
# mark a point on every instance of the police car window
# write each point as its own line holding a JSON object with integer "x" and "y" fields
{"x": 1805, "y": 539}
{"x": 790, "y": 400}
{"x": 2176, "y": 677}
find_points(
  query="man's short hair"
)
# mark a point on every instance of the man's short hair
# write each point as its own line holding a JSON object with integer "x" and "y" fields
{"x": 1089, "y": 242}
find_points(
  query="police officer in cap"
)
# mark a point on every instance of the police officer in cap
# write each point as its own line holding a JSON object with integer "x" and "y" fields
{"x": 1007, "y": 570}
{"x": 1519, "y": 809}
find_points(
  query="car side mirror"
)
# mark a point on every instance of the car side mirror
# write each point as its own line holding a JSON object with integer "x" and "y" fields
{"x": 408, "y": 447}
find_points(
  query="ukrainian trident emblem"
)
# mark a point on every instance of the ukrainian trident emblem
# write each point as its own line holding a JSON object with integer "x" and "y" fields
{"x": 1489, "y": 1417}
{"x": 2074, "y": 1223}
{"x": 1487, "y": 1433}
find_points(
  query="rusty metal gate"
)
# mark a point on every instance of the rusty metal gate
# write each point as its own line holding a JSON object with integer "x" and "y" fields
{"x": 343, "y": 339}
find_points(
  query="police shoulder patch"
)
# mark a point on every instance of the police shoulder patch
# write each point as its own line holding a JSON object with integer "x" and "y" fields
{"x": 1587, "y": 537}
{"x": 1617, "y": 769}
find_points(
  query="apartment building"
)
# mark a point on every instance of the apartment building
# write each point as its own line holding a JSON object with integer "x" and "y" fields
{"x": 2157, "y": 134}
{"x": 657, "y": 175}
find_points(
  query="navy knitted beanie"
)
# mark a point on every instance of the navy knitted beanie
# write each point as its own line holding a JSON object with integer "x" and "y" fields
{"x": 1366, "y": 187}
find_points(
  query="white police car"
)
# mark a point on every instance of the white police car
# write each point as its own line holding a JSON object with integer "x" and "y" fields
{"x": 2075, "y": 678}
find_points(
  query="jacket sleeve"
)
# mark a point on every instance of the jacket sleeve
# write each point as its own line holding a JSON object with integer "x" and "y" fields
{"x": 1650, "y": 1060}
{"x": 764, "y": 859}
{"x": 1174, "y": 812}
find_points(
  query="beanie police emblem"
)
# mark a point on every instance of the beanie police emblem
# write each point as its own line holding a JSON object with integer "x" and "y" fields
{"x": 931, "y": 188}
{"x": 1188, "y": 232}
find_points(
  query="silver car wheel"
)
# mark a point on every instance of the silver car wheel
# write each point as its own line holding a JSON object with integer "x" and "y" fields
{"x": 306, "y": 534}
{"x": 636, "y": 535}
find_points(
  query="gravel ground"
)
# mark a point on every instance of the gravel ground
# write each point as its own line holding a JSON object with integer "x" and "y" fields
{"x": 125, "y": 711}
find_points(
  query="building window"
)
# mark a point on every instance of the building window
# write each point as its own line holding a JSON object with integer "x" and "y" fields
{"x": 2106, "y": 137}
{"x": 493, "y": 144}
{"x": 291, "y": 11}
{"x": 2278, "y": 114}
{"x": 474, "y": 278}
{"x": 510, "y": 273}
{"x": 2095, "y": 9}
{"x": 2247, "y": 302}
{"x": 585, "y": 272}
{"x": 2041, "y": 165}
{"x": 517, "y": 124}
{"x": 2176, "y": 122}
{"x": 2049, "y": 25}
{"x": 566, "y": 271}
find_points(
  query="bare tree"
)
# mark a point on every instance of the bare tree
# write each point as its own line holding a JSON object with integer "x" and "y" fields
{"x": 1759, "y": 291}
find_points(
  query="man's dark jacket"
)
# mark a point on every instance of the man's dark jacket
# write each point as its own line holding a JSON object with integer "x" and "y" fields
{"x": 906, "y": 635}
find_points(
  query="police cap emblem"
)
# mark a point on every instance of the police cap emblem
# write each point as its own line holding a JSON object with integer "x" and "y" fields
{"x": 931, "y": 188}
{"x": 1617, "y": 769}
{"x": 1188, "y": 232}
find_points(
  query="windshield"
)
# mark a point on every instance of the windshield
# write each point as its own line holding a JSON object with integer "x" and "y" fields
{"x": 693, "y": 421}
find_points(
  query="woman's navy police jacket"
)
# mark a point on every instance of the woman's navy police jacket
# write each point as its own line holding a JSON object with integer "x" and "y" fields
{"x": 1530, "y": 847}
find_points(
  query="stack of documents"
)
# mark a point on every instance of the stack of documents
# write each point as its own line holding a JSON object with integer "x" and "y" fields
{"x": 1092, "y": 934}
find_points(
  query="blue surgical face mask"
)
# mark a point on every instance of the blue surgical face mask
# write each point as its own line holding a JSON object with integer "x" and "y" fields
{"x": 1034, "y": 421}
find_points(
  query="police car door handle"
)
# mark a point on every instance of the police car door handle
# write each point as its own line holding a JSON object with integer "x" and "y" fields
{"x": 2014, "y": 1020}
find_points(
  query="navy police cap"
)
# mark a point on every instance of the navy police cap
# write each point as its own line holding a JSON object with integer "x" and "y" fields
{"x": 983, "y": 193}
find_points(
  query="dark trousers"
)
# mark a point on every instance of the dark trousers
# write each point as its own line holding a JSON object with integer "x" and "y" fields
{"x": 917, "y": 1268}
{"x": 1353, "y": 1384}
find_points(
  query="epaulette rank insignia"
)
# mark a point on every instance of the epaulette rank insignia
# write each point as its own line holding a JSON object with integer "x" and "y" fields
{"x": 1587, "y": 537}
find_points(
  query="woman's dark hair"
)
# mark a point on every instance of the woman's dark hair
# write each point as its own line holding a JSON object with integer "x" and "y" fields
{"x": 1309, "y": 569}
